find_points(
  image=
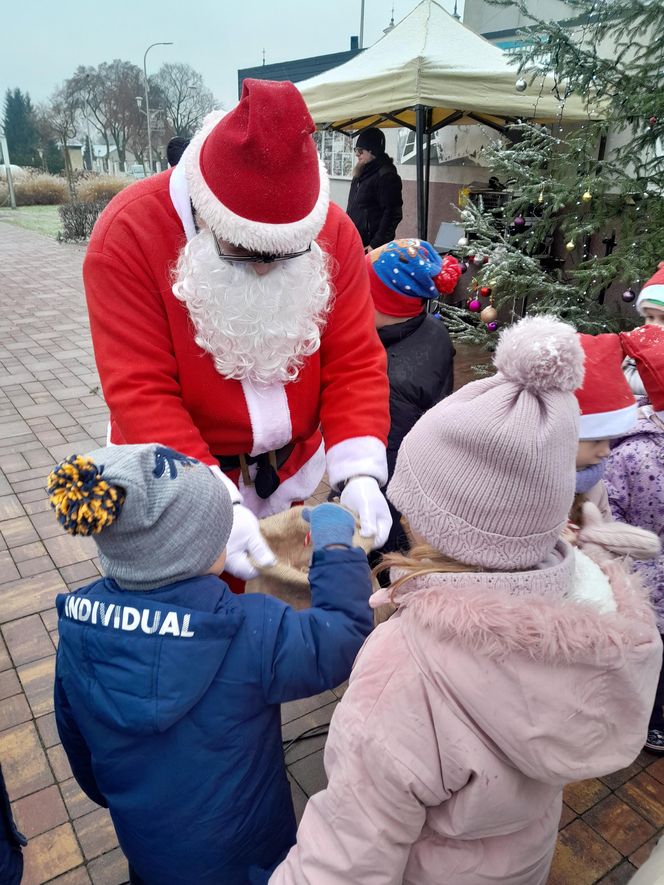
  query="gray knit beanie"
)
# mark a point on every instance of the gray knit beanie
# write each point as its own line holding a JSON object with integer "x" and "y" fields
{"x": 487, "y": 476}
{"x": 157, "y": 516}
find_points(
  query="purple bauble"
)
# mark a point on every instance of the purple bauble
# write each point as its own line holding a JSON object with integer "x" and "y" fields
{"x": 464, "y": 266}
{"x": 492, "y": 326}
{"x": 474, "y": 305}
{"x": 519, "y": 222}
{"x": 628, "y": 296}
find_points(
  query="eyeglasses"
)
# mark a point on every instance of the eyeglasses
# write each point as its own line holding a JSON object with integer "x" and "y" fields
{"x": 258, "y": 257}
{"x": 358, "y": 151}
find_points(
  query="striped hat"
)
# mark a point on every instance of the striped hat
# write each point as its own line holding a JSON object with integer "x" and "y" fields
{"x": 652, "y": 293}
{"x": 608, "y": 407}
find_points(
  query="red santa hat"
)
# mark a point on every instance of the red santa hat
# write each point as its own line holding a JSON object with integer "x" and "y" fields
{"x": 608, "y": 407}
{"x": 652, "y": 293}
{"x": 646, "y": 346}
{"x": 254, "y": 175}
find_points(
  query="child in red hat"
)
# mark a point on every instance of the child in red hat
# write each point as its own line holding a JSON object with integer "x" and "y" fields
{"x": 650, "y": 304}
{"x": 635, "y": 480}
{"x": 608, "y": 410}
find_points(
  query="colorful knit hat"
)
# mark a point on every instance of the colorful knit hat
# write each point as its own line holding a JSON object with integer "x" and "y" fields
{"x": 156, "y": 516}
{"x": 646, "y": 346}
{"x": 487, "y": 476}
{"x": 652, "y": 293}
{"x": 608, "y": 406}
{"x": 405, "y": 272}
{"x": 254, "y": 175}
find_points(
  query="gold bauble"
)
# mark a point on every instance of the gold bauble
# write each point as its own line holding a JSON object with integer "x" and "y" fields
{"x": 489, "y": 314}
{"x": 540, "y": 199}
{"x": 587, "y": 197}
{"x": 570, "y": 246}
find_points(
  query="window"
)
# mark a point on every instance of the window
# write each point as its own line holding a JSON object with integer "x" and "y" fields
{"x": 336, "y": 151}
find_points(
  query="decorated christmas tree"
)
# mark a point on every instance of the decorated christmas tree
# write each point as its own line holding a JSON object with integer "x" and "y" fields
{"x": 582, "y": 207}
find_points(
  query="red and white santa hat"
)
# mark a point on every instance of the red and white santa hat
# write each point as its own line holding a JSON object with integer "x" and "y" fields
{"x": 608, "y": 407}
{"x": 652, "y": 293}
{"x": 646, "y": 346}
{"x": 254, "y": 175}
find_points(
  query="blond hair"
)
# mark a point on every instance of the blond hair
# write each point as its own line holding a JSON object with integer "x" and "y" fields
{"x": 421, "y": 559}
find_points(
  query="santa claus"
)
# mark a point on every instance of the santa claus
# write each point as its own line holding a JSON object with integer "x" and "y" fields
{"x": 231, "y": 320}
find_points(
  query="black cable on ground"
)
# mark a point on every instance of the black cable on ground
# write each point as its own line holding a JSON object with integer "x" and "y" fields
{"x": 316, "y": 731}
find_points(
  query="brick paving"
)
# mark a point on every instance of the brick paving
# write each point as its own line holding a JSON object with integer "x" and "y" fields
{"x": 50, "y": 405}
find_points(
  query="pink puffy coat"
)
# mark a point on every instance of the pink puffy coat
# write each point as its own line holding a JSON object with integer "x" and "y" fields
{"x": 467, "y": 713}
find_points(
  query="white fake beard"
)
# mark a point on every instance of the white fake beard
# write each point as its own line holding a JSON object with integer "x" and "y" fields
{"x": 256, "y": 327}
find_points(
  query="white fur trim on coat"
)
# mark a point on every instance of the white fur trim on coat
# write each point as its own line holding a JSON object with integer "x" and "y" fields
{"x": 233, "y": 490}
{"x": 257, "y": 236}
{"x": 269, "y": 414}
{"x": 358, "y": 456}
{"x": 179, "y": 194}
{"x": 603, "y": 425}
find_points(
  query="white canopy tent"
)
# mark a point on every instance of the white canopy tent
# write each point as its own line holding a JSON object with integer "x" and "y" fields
{"x": 428, "y": 72}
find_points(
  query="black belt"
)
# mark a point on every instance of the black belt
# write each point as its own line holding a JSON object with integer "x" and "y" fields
{"x": 266, "y": 481}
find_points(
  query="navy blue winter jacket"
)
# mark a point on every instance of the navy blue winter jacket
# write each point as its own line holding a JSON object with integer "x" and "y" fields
{"x": 167, "y": 704}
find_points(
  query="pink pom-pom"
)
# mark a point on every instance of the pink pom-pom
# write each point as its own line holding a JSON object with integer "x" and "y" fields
{"x": 541, "y": 353}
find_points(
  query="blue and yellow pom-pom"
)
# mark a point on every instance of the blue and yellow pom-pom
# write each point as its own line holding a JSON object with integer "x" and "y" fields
{"x": 83, "y": 502}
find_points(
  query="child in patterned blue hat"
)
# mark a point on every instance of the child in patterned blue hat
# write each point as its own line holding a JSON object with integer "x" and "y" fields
{"x": 404, "y": 275}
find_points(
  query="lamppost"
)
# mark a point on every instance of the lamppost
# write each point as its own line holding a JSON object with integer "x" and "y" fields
{"x": 147, "y": 100}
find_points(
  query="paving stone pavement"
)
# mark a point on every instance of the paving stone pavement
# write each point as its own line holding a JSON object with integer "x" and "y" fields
{"x": 50, "y": 406}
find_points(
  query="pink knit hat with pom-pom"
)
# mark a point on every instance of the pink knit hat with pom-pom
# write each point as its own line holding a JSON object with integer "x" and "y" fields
{"x": 487, "y": 476}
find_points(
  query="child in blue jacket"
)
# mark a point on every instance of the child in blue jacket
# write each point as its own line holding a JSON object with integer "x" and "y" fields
{"x": 168, "y": 686}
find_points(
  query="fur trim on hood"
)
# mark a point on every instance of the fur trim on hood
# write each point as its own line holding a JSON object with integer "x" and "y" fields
{"x": 482, "y": 612}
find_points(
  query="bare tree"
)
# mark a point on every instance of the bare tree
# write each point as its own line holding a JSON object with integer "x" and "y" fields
{"x": 87, "y": 84}
{"x": 183, "y": 97}
{"x": 121, "y": 84}
{"x": 60, "y": 116}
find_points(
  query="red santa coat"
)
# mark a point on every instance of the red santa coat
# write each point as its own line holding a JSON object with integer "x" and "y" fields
{"x": 160, "y": 386}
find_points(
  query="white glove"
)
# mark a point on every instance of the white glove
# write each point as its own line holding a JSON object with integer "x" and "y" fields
{"x": 245, "y": 541}
{"x": 363, "y": 496}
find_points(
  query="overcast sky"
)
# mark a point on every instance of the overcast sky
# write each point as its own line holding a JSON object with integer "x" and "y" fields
{"x": 43, "y": 42}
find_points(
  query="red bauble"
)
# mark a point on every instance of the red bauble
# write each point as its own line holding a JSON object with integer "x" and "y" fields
{"x": 652, "y": 121}
{"x": 470, "y": 258}
{"x": 485, "y": 291}
{"x": 485, "y": 260}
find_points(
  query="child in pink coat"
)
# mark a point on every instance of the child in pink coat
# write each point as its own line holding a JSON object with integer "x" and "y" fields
{"x": 514, "y": 664}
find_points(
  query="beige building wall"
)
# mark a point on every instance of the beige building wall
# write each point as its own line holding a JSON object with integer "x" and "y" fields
{"x": 482, "y": 17}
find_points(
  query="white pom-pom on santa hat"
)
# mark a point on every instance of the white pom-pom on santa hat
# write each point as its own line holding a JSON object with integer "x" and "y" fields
{"x": 608, "y": 406}
{"x": 541, "y": 353}
{"x": 652, "y": 293}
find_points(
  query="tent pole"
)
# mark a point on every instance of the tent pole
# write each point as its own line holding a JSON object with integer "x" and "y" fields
{"x": 427, "y": 177}
{"x": 420, "y": 111}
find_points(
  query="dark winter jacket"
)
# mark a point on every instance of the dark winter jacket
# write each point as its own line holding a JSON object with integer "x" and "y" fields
{"x": 374, "y": 202}
{"x": 11, "y": 841}
{"x": 420, "y": 366}
{"x": 167, "y": 704}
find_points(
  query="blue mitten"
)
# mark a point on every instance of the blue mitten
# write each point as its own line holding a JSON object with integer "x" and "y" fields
{"x": 330, "y": 524}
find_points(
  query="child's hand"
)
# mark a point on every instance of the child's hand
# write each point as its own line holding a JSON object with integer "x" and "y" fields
{"x": 330, "y": 525}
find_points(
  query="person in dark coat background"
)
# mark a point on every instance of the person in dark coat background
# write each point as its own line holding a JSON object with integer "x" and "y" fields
{"x": 175, "y": 148}
{"x": 404, "y": 275}
{"x": 374, "y": 202}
